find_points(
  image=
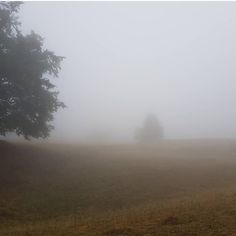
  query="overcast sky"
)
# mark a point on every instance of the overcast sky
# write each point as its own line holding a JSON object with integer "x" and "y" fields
{"x": 127, "y": 59}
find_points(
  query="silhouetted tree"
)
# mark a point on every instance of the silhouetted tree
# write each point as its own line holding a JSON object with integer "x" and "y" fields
{"x": 27, "y": 97}
{"x": 151, "y": 130}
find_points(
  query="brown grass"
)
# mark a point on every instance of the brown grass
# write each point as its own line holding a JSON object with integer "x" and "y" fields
{"x": 173, "y": 188}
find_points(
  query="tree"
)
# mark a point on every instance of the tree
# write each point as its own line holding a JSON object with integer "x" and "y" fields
{"x": 151, "y": 130}
{"x": 27, "y": 97}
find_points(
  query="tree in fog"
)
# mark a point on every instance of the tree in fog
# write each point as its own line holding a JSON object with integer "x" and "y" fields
{"x": 151, "y": 130}
{"x": 27, "y": 97}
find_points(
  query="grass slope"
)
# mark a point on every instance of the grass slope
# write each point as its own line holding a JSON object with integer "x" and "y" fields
{"x": 173, "y": 188}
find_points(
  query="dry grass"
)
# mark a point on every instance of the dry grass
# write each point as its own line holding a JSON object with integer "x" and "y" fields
{"x": 173, "y": 188}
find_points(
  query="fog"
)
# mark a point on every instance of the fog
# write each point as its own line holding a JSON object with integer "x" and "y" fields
{"x": 125, "y": 60}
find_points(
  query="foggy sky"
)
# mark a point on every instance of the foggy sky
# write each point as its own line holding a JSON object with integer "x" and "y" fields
{"x": 125, "y": 60}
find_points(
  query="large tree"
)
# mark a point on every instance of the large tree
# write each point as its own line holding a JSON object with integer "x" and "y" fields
{"x": 151, "y": 130}
{"x": 27, "y": 97}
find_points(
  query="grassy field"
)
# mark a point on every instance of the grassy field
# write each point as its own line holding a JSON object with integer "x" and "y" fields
{"x": 173, "y": 188}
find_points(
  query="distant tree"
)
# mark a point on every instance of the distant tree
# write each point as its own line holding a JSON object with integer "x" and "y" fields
{"x": 27, "y": 97}
{"x": 151, "y": 131}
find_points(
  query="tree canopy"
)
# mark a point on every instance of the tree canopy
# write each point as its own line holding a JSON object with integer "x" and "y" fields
{"x": 27, "y": 97}
{"x": 151, "y": 130}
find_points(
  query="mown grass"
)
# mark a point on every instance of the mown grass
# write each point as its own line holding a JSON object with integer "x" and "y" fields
{"x": 173, "y": 188}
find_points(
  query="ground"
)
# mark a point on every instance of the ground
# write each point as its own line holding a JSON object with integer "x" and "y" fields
{"x": 184, "y": 187}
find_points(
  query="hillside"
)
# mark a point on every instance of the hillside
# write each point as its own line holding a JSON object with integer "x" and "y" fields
{"x": 173, "y": 188}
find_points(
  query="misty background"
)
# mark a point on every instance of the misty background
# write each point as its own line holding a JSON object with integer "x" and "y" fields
{"x": 125, "y": 60}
